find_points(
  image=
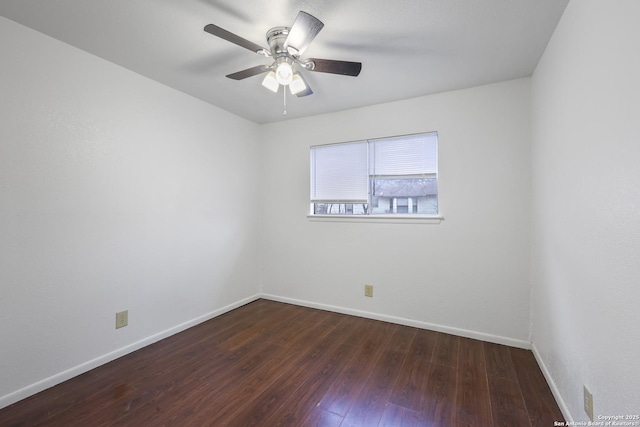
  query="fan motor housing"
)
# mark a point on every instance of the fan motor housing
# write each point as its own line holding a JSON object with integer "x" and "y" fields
{"x": 276, "y": 38}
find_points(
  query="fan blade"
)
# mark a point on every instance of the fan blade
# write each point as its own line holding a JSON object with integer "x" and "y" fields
{"x": 305, "y": 92}
{"x": 230, "y": 37}
{"x": 305, "y": 28}
{"x": 345, "y": 68}
{"x": 249, "y": 72}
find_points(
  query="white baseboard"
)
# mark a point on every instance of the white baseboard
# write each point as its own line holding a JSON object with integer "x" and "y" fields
{"x": 407, "y": 322}
{"x": 552, "y": 385}
{"x": 101, "y": 360}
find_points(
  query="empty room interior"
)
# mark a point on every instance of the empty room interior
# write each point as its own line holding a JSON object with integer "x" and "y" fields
{"x": 149, "y": 196}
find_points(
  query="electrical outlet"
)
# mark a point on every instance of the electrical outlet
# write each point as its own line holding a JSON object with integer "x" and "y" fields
{"x": 588, "y": 403}
{"x": 122, "y": 319}
{"x": 368, "y": 290}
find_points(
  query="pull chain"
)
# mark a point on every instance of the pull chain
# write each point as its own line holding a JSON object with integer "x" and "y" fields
{"x": 284, "y": 95}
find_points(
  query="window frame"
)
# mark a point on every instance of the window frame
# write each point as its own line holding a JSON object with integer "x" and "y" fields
{"x": 376, "y": 217}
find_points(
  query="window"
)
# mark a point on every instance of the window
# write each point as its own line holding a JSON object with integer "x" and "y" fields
{"x": 387, "y": 176}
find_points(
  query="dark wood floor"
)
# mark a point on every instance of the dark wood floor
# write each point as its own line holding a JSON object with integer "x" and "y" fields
{"x": 272, "y": 364}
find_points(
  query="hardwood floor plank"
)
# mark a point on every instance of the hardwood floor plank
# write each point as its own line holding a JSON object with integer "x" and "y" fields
{"x": 340, "y": 396}
{"x": 222, "y": 365}
{"x": 424, "y": 344}
{"x": 440, "y": 396}
{"x": 103, "y": 409}
{"x": 189, "y": 368}
{"x": 408, "y": 389}
{"x": 541, "y": 406}
{"x": 368, "y": 407}
{"x": 274, "y": 364}
{"x": 507, "y": 405}
{"x": 225, "y": 403}
{"x": 289, "y": 336}
{"x": 195, "y": 395}
{"x": 321, "y": 418}
{"x": 498, "y": 361}
{"x": 260, "y": 327}
{"x": 362, "y": 329}
{"x": 271, "y": 400}
{"x": 310, "y": 391}
{"x": 446, "y": 350}
{"x": 399, "y": 416}
{"x": 472, "y": 399}
{"x": 402, "y": 339}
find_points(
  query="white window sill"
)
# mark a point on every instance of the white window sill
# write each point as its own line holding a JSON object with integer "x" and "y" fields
{"x": 389, "y": 219}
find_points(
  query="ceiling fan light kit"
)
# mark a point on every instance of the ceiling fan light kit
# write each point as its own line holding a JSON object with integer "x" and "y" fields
{"x": 286, "y": 45}
{"x": 284, "y": 70}
{"x": 297, "y": 85}
{"x": 271, "y": 82}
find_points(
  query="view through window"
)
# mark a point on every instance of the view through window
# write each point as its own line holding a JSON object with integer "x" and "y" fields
{"x": 386, "y": 176}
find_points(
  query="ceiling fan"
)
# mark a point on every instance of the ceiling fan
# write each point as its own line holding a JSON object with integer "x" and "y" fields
{"x": 286, "y": 45}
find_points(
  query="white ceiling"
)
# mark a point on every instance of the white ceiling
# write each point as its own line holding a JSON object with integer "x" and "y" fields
{"x": 408, "y": 48}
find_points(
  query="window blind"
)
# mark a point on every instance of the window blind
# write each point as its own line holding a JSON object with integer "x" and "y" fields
{"x": 339, "y": 173}
{"x": 411, "y": 155}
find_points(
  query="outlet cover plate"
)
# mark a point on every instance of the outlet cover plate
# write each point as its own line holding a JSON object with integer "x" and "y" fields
{"x": 122, "y": 319}
{"x": 368, "y": 290}
{"x": 588, "y": 403}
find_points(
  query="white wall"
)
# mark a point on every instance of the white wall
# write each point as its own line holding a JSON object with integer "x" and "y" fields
{"x": 115, "y": 193}
{"x": 119, "y": 193}
{"x": 469, "y": 274}
{"x": 586, "y": 204}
